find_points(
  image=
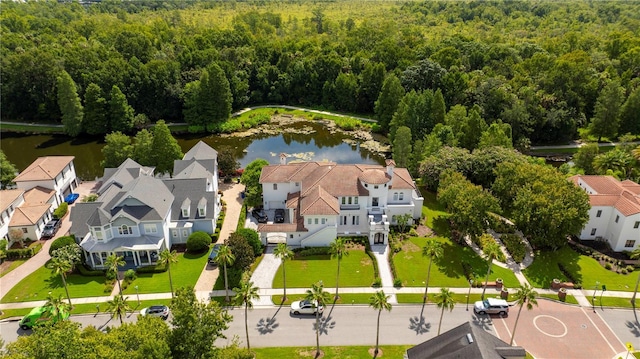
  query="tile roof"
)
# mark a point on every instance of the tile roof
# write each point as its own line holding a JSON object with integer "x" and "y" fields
{"x": 318, "y": 202}
{"x": 38, "y": 195}
{"x": 28, "y": 215}
{"x": 624, "y": 196}
{"x": 44, "y": 168}
{"x": 374, "y": 176}
{"x": 8, "y": 196}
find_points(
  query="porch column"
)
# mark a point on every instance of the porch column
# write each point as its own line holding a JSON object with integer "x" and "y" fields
{"x": 93, "y": 264}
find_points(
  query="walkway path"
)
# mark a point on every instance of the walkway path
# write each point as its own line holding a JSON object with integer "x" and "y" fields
{"x": 381, "y": 253}
{"x": 233, "y": 199}
{"x": 263, "y": 276}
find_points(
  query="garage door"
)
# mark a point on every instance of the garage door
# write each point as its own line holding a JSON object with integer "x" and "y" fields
{"x": 275, "y": 238}
{"x": 274, "y": 204}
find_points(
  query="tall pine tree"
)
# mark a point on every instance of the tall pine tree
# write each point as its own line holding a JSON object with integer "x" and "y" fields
{"x": 208, "y": 101}
{"x": 387, "y": 103}
{"x": 606, "y": 118}
{"x": 70, "y": 105}
{"x": 165, "y": 148}
{"x": 96, "y": 121}
{"x": 120, "y": 112}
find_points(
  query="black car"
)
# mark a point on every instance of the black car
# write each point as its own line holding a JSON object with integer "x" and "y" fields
{"x": 279, "y": 217}
{"x": 259, "y": 215}
{"x": 51, "y": 228}
{"x": 214, "y": 254}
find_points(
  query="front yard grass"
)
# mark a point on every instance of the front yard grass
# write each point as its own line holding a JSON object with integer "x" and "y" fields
{"x": 183, "y": 273}
{"x": 346, "y": 298}
{"x": 586, "y": 269}
{"x": 38, "y": 284}
{"x": 411, "y": 266}
{"x": 568, "y": 299}
{"x": 434, "y": 213}
{"x": 356, "y": 270}
{"x": 351, "y": 352}
{"x": 460, "y": 299}
{"x": 89, "y": 308}
{"x": 11, "y": 266}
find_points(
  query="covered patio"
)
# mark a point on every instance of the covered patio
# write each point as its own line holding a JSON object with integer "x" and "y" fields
{"x": 136, "y": 251}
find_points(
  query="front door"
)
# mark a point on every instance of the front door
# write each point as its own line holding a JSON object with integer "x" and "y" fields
{"x": 374, "y": 202}
{"x": 378, "y": 238}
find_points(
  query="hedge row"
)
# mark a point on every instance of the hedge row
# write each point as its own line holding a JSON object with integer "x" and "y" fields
{"x": 312, "y": 251}
{"x": 13, "y": 254}
{"x": 514, "y": 245}
{"x": 567, "y": 273}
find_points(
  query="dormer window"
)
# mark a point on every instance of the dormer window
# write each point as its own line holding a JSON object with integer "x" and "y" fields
{"x": 202, "y": 207}
{"x": 184, "y": 208}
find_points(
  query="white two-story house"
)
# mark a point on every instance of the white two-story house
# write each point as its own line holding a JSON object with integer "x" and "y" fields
{"x": 325, "y": 200}
{"x": 615, "y": 211}
{"x": 137, "y": 215}
{"x": 53, "y": 172}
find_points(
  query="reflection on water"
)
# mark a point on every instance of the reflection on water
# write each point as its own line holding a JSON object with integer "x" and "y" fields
{"x": 318, "y": 145}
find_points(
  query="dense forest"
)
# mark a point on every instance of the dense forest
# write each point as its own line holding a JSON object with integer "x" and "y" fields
{"x": 545, "y": 68}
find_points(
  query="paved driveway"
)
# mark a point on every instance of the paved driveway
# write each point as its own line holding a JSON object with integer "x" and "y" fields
{"x": 553, "y": 330}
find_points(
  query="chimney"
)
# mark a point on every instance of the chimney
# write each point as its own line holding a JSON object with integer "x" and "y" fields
{"x": 283, "y": 158}
{"x": 391, "y": 164}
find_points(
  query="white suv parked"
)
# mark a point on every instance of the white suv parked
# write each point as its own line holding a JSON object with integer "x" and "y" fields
{"x": 491, "y": 306}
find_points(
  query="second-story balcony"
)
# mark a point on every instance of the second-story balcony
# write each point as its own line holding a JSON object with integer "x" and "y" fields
{"x": 349, "y": 207}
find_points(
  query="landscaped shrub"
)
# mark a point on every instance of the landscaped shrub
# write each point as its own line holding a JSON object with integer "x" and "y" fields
{"x": 253, "y": 238}
{"x": 61, "y": 242}
{"x": 130, "y": 275}
{"x": 607, "y": 266}
{"x": 397, "y": 282}
{"x": 198, "y": 242}
{"x": 243, "y": 217}
{"x": 35, "y": 248}
{"x": 110, "y": 275}
{"x": 623, "y": 271}
{"x": 514, "y": 245}
{"x": 242, "y": 250}
{"x": 577, "y": 284}
{"x": 312, "y": 251}
{"x": 61, "y": 210}
{"x": 377, "y": 283}
{"x": 629, "y": 269}
{"x": 13, "y": 254}
{"x": 152, "y": 269}
{"x": 392, "y": 265}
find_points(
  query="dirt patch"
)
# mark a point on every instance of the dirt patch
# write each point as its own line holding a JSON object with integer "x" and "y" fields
{"x": 365, "y": 262}
{"x": 310, "y": 354}
{"x": 409, "y": 247}
{"x": 372, "y": 352}
{"x": 424, "y": 231}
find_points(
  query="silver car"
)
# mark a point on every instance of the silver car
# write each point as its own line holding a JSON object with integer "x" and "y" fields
{"x": 491, "y": 306}
{"x": 161, "y": 311}
{"x": 306, "y": 307}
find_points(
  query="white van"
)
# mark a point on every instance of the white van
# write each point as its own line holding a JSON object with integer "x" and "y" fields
{"x": 491, "y": 306}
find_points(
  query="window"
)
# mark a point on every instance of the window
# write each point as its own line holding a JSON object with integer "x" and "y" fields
{"x": 308, "y": 220}
{"x": 291, "y": 236}
{"x": 617, "y": 218}
{"x": 593, "y": 231}
{"x": 98, "y": 234}
{"x": 630, "y": 243}
{"x": 366, "y": 185}
{"x": 355, "y": 200}
{"x": 150, "y": 228}
{"x": 343, "y": 220}
{"x": 201, "y": 212}
{"x": 375, "y": 187}
{"x": 636, "y": 225}
{"x": 374, "y": 201}
{"x": 401, "y": 196}
{"x": 599, "y": 213}
{"x": 344, "y": 200}
{"x": 315, "y": 221}
{"x": 185, "y": 232}
{"x": 350, "y": 200}
{"x": 324, "y": 221}
{"x": 174, "y": 233}
{"x": 355, "y": 220}
{"x": 124, "y": 230}
{"x": 297, "y": 184}
{"x": 275, "y": 186}
{"x": 395, "y": 196}
{"x": 24, "y": 230}
{"x": 185, "y": 212}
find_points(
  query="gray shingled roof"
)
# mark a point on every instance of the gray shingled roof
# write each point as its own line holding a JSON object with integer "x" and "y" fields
{"x": 132, "y": 243}
{"x": 127, "y": 171}
{"x": 79, "y": 217}
{"x": 193, "y": 168}
{"x": 193, "y": 189}
{"x": 455, "y": 343}
{"x": 201, "y": 151}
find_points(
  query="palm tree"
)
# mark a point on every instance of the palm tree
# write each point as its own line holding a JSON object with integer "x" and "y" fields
{"x": 244, "y": 295}
{"x": 525, "y": 294}
{"x": 491, "y": 251}
{"x": 431, "y": 249}
{"x": 225, "y": 257}
{"x": 379, "y": 301}
{"x": 635, "y": 255}
{"x": 56, "y": 306}
{"x": 118, "y": 306}
{"x": 62, "y": 266}
{"x": 320, "y": 297}
{"x": 112, "y": 263}
{"x": 338, "y": 249}
{"x": 283, "y": 252}
{"x": 444, "y": 300}
{"x": 167, "y": 258}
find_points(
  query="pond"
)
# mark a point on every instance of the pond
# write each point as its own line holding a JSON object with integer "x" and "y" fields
{"x": 299, "y": 139}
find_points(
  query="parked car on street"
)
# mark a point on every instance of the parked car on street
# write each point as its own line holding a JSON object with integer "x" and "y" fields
{"x": 214, "y": 254}
{"x": 279, "y": 217}
{"x": 491, "y": 306}
{"x": 305, "y": 307}
{"x": 71, "y": 197}
{"x": 40, "y": 315}
{"x": 259, "y": 215}
{"x": 161, "y": 311}
{"x": 51, "y": 228}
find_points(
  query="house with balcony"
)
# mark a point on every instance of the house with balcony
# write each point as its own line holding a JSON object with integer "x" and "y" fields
{"x": 614, "y": 216}
{"x": 325, "y": 200}
{"x": 56, "y": 173}
{"x": 137, "y": 215}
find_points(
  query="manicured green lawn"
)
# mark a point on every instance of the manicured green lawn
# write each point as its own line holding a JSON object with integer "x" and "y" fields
{"x": 356, "y": 270}
{"x": 13, "y": 265}
{"x": 346, "y": 298}
{"x": 614, "y": 301}
{"x": 460, "y": 299}
{"x": 183, "y": 273}
{"x": 355, "y": 352}
{"x": 569, "y": 298}
{"x": 38, "y": 284}
{"x": 411, "y": 266}
{"x": 545, "y": 268}
{"x": 434, "y": 213}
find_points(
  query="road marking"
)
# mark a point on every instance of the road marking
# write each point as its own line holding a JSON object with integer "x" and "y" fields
{"x": 598, "y": 329}
{"x": 548, "y": 334}
{"x": 507, "y": 328}
{"x": 611, "y": 330}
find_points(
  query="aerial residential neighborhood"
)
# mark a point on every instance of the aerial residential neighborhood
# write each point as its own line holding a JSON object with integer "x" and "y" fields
{"x": 418, "y": 179}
